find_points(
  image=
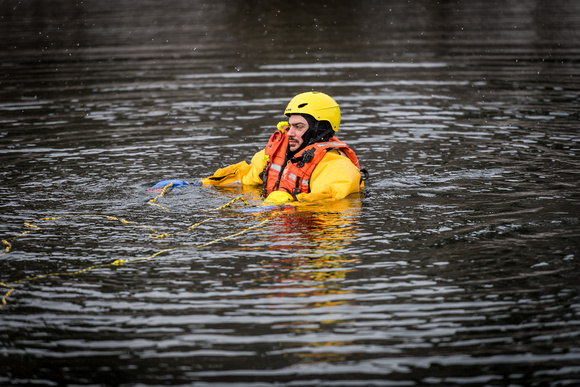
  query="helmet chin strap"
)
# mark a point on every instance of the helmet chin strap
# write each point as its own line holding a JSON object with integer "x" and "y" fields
{"x": 324, "y": 136}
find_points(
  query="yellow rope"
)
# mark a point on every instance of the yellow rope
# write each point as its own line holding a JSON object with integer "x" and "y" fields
{"x": 236, "y": 234}
{"x": 34, "y": 227}
{"x": 161, "y": 236}
{"x": 120, "y": 262}
{"x": 9, "y": 245}
{"x": 164, "y": 191}
{"x": 31, "y": 227}
{"x": 153, "y": 201}
{"x": 7, "y": 294}
{"x": 230, "y": 203}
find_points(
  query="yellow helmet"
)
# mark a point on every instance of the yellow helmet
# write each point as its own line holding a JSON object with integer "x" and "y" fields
{"x": 319, "y": 105}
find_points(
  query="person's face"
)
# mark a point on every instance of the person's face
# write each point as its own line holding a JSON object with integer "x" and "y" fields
{"x": 298, "y": 126}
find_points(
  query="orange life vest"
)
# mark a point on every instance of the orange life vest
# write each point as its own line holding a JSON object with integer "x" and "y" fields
{"x": 293, "y": 176}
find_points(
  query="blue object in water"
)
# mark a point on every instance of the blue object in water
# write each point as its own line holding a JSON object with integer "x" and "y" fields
{"x": 176, "y": 183}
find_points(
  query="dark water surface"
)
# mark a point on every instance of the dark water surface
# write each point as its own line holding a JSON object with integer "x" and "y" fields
{"x": 459, "y": 266}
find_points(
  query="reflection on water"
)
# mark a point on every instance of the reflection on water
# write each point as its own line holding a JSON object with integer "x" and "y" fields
{"x": 458, "y": 265}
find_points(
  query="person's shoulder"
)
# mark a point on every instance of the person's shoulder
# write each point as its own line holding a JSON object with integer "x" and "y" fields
{"x": 334, "y": 161}
{"x": 335, "y": 166}
{"x": 334, "y": 154}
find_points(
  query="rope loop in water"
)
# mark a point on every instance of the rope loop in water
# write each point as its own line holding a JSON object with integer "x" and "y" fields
{"x": 154, "y": 234}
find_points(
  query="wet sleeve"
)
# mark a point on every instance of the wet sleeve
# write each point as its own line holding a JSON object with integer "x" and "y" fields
{"x": 252, "y": 176}
{"x": 240, "y": 172}
{"x": 335, "y": 177}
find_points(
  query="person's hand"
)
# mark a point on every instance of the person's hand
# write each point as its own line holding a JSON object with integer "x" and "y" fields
{"x": 278, "y": 197}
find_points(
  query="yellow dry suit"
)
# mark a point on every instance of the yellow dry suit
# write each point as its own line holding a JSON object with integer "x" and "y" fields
{"x": 330, "y": 171}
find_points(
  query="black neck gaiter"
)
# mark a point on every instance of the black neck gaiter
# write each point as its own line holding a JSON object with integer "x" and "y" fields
{"x": 318, "y": 131}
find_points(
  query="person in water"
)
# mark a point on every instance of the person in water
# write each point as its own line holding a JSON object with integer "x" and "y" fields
{"x": 303, "y": 159}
